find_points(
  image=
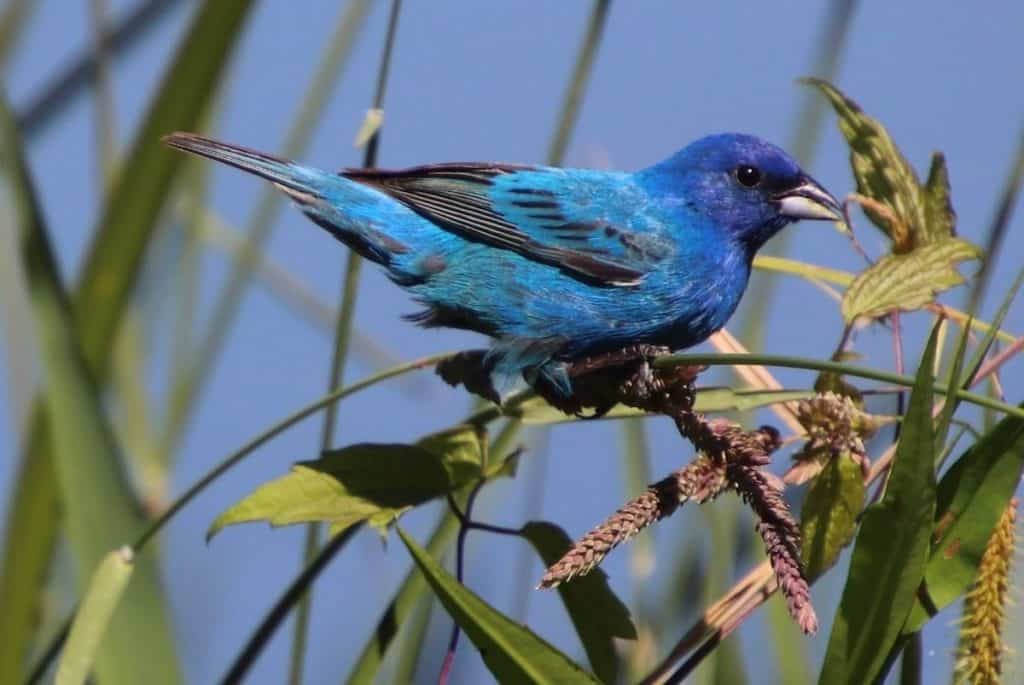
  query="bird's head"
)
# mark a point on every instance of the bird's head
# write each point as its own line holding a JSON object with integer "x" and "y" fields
{"x": 744, "y": 185}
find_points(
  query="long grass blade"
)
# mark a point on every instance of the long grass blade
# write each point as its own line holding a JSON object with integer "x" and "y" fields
{"x": 112, "y": 267}
{"x": 60, "y": 92}
{"x": 13, "y": 18}
{"x": 100, "y": 511}
{"x": 581, "y": 71}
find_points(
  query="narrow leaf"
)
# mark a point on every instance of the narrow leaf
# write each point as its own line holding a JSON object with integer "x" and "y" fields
{"x": 891, "y": 551}
{"x": 99, "y": 506}
{"x": 598, "y": 615}
{"x": 828, "y": 518}
{"x": 364, "y": 482}
{"x": 513, "y": 653}
{"x": 93, "y": 617}
{"x": 114, "y": 262}
{"x": 907, "y": 281}
{"x": 970, "y": 499}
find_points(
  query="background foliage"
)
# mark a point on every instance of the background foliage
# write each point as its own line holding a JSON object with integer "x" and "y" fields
{"x": 157, "y": 315}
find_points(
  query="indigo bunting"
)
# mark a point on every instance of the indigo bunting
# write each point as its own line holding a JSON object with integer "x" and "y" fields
{"x": 558, "y": 264}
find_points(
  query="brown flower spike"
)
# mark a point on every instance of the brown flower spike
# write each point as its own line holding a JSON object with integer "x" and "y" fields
{"x": 730, "y": 458}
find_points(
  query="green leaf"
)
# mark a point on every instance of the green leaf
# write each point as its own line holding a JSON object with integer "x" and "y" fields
{"x": 889, "y": 558}
{"x": 597, "y": 614}
{"x": 907, "y": 281}
{"x": 970, "y": 499}
{"x": 93, "y": 616}
{"x": 398, "y": 611}
{"x": 919, "y": 219}
{"x": 99, "y": 506}
{"x": 881, "y": 171}
{"x": 940, "y": 219}
{"x": 512, "y": 652}
{"x": 828, "y": 518}
{"x": 364, "y": 482}
{"x": 709, "y": 400}
{"x": 112, "y": 266}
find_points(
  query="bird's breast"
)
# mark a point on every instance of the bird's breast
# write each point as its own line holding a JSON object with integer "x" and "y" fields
{"x": 700, "y": 300}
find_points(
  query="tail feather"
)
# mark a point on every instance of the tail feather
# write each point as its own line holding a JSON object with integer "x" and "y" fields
{"x": 286, "y": 174}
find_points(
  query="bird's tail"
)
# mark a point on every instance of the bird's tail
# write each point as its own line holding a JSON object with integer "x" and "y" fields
{"x": 294, "y": 179}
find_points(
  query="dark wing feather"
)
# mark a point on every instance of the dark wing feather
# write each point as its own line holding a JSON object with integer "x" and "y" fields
{"x": 457, "y": 198}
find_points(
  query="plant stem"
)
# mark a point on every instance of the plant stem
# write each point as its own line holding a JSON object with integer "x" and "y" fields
{"x": 342, "y": 339}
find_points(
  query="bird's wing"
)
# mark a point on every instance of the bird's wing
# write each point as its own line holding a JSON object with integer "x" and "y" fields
{"x": 534, "y": 211}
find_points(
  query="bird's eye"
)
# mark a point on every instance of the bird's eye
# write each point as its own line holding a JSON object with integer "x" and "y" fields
{"x": 747, "y": 175}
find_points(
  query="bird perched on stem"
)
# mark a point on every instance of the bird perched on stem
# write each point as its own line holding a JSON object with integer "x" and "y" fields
{"x": 559, "y": 264}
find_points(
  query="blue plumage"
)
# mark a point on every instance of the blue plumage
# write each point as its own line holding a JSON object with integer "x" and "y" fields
{"x": 556, "y": 264}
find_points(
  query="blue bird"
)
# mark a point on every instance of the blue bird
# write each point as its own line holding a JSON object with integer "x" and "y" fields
{"x": 559, "y": 264}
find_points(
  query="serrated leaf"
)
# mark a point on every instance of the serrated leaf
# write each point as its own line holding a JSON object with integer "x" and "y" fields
{"x": 879, "y": 168}
{"x": 892, "y": 548}
{"x": 512, "y": 652}
{"x": 596, "y": 612}
{"x": 364, "y": 482}
{"x": 828, "y": 517}
{"x": 971, "y": 497}
{"x": 908, "y": 281}
{"x": 709, "y": 400}
{"x": 106, "y": 588}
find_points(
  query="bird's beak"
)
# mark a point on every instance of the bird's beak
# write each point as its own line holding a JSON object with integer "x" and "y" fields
{"x": 809, "y": 201}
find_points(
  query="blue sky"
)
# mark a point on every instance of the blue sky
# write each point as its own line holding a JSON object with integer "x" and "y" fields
{"x": 474, "y": 81}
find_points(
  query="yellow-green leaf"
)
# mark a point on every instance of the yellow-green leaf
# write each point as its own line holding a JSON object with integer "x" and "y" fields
{"x": 907, "y": 281}
{"x": 364, "y": 482}
{"x": 93, "y": 616}
{"x": 709, "y": 400}
{"x": 512, "y": 652}
{"x": 881, "y": 171}
{"x": 940, "y": 219}
{"x": 828, "y": 518}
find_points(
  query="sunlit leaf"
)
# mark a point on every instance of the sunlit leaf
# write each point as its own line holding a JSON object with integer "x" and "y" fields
{"x": 828, "y": 517}
{"x": 881, "y": 171}
{"x": 891, "y": 551}
{"x": 971, "y": 497}
{"x": 907, "y": 281}
{"x": 597, "y": 614}
{"x": 364, "y": 482}
{"x": 512, "y": 652}
{"x": 93, "y": 617}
